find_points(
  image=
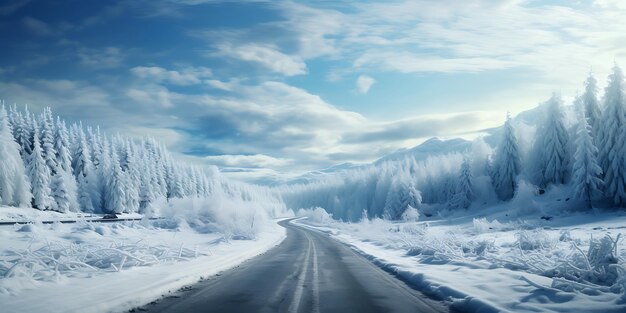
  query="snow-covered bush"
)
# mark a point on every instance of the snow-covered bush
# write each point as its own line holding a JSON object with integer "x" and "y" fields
{"x": 410, "y": 214}
{"x": 534, "y": 239}
{"x": 82, "y": 250}
{"x": 598, "y": 264}
{"x": 234, "y": 218}
{"x": 482, "y": 225}
{"x": 316, "y": 215}
{"x": 524, "y": 202}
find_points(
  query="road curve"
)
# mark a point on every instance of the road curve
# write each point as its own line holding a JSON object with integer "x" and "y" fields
{"x": 307, "y": 272}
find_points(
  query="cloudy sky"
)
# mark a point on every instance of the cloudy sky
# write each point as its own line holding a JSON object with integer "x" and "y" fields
{"x": 268, "y": 89}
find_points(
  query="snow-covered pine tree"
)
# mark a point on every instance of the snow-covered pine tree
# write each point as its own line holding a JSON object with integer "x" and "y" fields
{"x": 401, "y": 195}
{"x": 115, "y": 189}
{"x": 507, "y": 164}
{"x": 81, "y": 159}
{"x": 150, "y": 156}
{"x": 592, "y": 107}
{"x": 15, "y": 120}
{"x": 190, "y": 184}
{"x": 39, "y": 175}
{"x": 613, "y": 139}
{"x": 63, "y": 178}
{"x": 146, "y": 187}
{"x": 96, "y": 147}
{"x": 449, "y": 187}
{"x": 554, "y": 144}
{"x": 14, "y": 187}
{"x": 21, "y": 133}
{"x": 101, "y": 153}
{"x": 412, "y": 197}
{"x": 153, "y": 183}
{"x": 62, "y": 146}
{"x": 174, "y": 181}
{"x": 206, "y": 185}
{"x": 464, "y": 195}
{"x": 198, "y": 179}
{"x": 132, "y": 176}
{"x": 84, "y": 171}
{"x": 47, "y": 140}
{"x": 60, "y": 192}
{"x": 83, "y": 194}
{"x": 586, "y": 179}
{"x": 25, "y": 135}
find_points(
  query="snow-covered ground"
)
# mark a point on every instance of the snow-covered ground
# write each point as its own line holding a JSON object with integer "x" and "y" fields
{"x": 479, "y": 264}
{"x": 20, "y": 215}
{"x": 106, "y": 267}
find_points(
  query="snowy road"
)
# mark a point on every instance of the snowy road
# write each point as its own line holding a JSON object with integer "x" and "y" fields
{"x": 308, "y": 272}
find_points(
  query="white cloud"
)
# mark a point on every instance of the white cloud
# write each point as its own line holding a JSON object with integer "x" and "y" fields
{"x": 425, "y": 126}
{"x": 364, "y": 83}
{"x": 37, "y": 27}
{"x": 404, "y": 62}
{"x": 218, "y": 84}
{"x": 151, "y": 94}
{"x": 169, "y": 137}
{"x": 74, "y": 100}
{"x": 267, "y": 56}
{"x": 12, "y": 7}
{"x": 108, "y": 57}
{"x": 186, "y": 76}
{"x": 558, "y": 42}
{"x": 270, "y": 119}
{"x": 247, "y": 161}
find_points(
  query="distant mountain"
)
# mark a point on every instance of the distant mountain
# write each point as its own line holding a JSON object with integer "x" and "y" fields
{"x": 314, "y": 175}
{"x": 436, "y": 146}
{"x": 430, "y": 147}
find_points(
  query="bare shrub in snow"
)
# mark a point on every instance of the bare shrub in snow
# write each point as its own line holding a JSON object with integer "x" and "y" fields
{"x": 482, "y": 225}
{"x": 597, "y": 265}
{"x": 52, "y": 261}
{"x": 533, "y": 240}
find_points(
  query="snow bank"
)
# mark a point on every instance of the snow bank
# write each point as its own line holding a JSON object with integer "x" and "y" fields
{"x": 317, "y": 215}
{"x": 230, "y": 217}
{"x": 96, "y": 267}
{"x": 25, "y": 215}
{"x": 477, "y": 265}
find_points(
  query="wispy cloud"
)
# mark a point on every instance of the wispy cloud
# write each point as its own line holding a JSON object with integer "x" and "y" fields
{"x": 37, "y": 26}
{"x": 364, "y": 83}
{"x": 250, "y": 126}
{"x": 454, "y": 124}
{"x": 267, "y": 56}
{"x": 185, "y": 76}
{"x": 108, "y": 57}
{"x": 12, "y": 7}
{"x": 247, "y": 161}
{"x": 473, "y": 36}
{"x": 248, "y": 95}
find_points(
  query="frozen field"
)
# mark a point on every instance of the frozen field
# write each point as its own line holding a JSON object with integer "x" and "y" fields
{"x": 103, "y": 267}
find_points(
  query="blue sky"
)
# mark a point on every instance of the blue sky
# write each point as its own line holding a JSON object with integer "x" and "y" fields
{"x": 273, "y": 89}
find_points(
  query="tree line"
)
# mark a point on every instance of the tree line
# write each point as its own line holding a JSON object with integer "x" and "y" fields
{"x": 47, "y": 165}
{"x": 586, "y": 156}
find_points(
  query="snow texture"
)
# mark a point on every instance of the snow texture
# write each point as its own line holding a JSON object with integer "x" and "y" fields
{"x": 113, "y": 267}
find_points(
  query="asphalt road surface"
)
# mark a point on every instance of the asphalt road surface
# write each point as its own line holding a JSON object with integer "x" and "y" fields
{"x": 307, "y": 272}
